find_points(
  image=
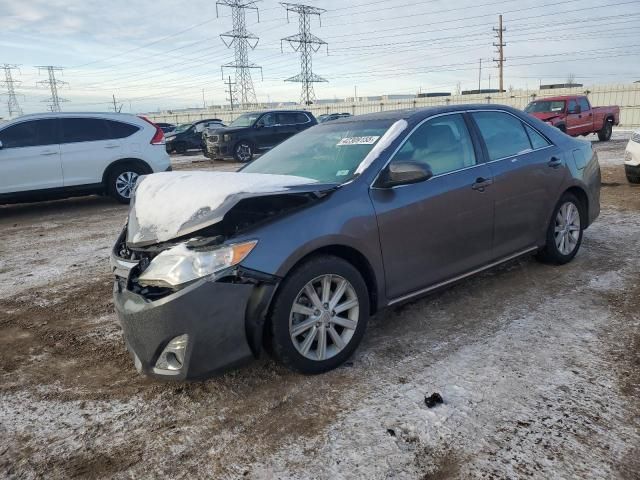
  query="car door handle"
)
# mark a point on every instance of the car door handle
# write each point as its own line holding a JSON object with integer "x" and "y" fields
{"x": 481, "y": 183}
{"x": 111, "y": 145}
{"x": 555, "y": 162}
{"x": 49, "y": 152}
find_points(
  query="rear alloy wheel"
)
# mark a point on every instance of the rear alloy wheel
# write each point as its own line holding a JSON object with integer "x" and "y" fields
{"x": 122, "y": 181}
{"x": 320, "y": 315}
{"x": 604, "y": 135}
{"x": 243, "y": 152}
{"x": 564, "y": 234}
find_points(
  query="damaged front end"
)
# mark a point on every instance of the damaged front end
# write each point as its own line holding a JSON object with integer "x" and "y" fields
{"x": 187, "y": 306}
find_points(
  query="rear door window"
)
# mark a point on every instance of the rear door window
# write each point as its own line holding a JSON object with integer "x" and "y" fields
{"x": 120, "y": 129}
{"x": 301, "y": 118}
{"x": 503, "y": 134}
{"x": 32, "y": 133}
{"x": 286, "y": 119}
{"x": 76, "y": 130}
{"x": 584, "y": 104}
{"x": 537, "y": 140}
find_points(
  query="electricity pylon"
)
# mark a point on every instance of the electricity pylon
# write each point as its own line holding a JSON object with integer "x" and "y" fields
{"x": 10, "y": 84}
{"x": 53, "y": 84}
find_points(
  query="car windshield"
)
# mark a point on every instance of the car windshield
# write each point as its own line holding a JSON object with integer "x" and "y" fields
{"x": 182, "y": 127}
{"x": 245, "y": 120}
{"x": 328, "y": 153}
{"x": 545, "y": 106}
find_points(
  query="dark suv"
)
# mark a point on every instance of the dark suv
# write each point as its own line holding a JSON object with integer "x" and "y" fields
{"x": 255, "y": 132}
{"x": 188, "y": 136}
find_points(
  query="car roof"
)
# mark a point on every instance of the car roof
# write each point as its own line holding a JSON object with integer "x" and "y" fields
{"x": 260, "y": 112}
{"x": 558, "y": 98}
{"x": 77, "y": 114}
{"x": 418, "y": 114}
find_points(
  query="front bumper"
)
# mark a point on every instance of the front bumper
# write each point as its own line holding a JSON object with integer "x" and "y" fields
{"x": 218, "y": 150}
{"x": 632, "y": 155}
{"x": 223, "y": 321}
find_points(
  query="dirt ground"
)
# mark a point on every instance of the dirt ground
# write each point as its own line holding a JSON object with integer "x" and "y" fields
{"x": 538, "y": 366}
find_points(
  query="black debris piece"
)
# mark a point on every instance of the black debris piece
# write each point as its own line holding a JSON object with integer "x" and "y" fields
{"x": 433, "y": 400}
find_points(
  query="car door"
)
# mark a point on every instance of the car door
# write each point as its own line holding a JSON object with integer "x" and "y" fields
{"x": 30, "y": 156}
{"x": 586, "y": 114}
{"x": 266, "y": 131}
{"x": 440, "y": 228}
{"x": 528, "y": 171}
{"x": 290, "y": 124}
{"x": 574, "y": 118}
{"x": 86, "y": 149}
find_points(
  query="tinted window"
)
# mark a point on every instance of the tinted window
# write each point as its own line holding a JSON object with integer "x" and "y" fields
{"x": 584, "y": 104}
{"x": 572, "y": 106}
{"x": 503, "y": 134}
{"x": 537, "y": 140}
{"x": 29, "y": 134}
{"x": 84, "y": 130}
{"x": 120, "y": 130}
{"x": 267, "y": 120}
{"x": 301, "y": 118}
{"x": 286, "y": 119}
{"x": 443, "y": 143}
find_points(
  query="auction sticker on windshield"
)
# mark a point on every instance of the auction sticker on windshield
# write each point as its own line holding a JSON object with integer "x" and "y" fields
{"x": 358, "y": 140}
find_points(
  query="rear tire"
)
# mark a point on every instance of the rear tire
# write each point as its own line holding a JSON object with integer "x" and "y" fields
{"x": 122, "y": 180}
{"x": 564, "y": 234}
{"x": 604, "y": 135}
{"x": 314, "y": 335}
{"x": 562, "y": 128}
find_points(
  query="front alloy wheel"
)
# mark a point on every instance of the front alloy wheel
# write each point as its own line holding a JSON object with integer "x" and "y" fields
{"x": 319, "y": 315}
{"x": 243, "y": 152}
{"x": 324, "y": 317}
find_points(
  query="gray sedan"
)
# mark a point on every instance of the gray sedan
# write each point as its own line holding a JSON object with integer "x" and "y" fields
{"x": 297, "y": 250}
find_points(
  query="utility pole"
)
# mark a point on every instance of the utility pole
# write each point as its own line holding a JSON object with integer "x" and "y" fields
{"x": 117, "y": 108}
{"x": 230, "y": 84}
{"x": 204, "y": 103}
{"x": 53, "y": 84}
{"x": 480, "y": 76}
{"x": 12, "y": 102}
{"x": 500, "y": 45}
{"x": 306, "y": 43}
{"x": 242, "y": 41}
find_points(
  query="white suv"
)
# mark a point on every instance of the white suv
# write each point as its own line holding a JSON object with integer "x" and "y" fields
{"x": 52, "y": 155}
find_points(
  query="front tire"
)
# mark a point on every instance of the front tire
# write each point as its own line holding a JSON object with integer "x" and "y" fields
{"x": 564, "y": 234}
{"x": 243, "y": 152}
{"x": 633, "y": 178}
{"x": 319, "y": 315}
{"x": 122, "y": 181}
{"x": 604, "y": 135}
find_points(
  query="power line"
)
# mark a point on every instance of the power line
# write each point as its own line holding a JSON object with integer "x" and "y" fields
{"x": 306, "y": 43}
{"x": 12, "y": 102}
{"x": 53, "y": 84}
{"x": 242, "y": 41}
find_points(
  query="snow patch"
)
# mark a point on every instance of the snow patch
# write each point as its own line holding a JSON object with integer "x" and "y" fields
{"x": 387, "y": 139}
{"x": 167, "y": 203}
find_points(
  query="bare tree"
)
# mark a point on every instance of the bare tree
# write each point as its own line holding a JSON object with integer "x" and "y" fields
{"x": 571, "y": 78}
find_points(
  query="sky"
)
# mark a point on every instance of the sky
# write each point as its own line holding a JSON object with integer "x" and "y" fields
{"x": 165, "y": 54}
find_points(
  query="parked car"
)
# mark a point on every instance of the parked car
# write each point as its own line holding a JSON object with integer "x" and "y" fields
{"x": 255, "y": 132}
{"x": 188, "y": 136}
{"x": 344, "y": 219}
{"x": 574, "y": 115}
{"x": 332, "y": 116}
{"x": 52, "y": 155}
{"x": 166, "y": 127}
{"x": 632, "y": 158}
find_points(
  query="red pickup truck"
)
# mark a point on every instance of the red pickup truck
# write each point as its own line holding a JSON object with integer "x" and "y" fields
{"x": 574, "y": 115}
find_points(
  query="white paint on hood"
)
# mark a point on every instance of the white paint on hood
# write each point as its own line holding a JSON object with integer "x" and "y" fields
{"x": 387, "y": 139}
{"x": 170, "y": 204}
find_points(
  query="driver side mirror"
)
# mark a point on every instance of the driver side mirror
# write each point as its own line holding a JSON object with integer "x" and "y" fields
{"x": 1, "y": 145}
{"x": 404, "y": 173}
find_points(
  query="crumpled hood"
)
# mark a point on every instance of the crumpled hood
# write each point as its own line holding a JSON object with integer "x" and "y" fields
{"x": 222, "y": 130}
{"x": 171, "y": 204}
{"x": 545, "y": 116}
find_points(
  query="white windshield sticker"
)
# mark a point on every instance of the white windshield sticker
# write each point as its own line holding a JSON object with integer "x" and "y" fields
{"x": 342, "y": 173}
{"x": 358, "y": 140}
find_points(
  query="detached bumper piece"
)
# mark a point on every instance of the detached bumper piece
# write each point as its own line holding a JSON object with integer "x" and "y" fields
{"x": 193, "y": 333}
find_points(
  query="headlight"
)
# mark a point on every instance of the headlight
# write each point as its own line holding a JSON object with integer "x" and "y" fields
{"x": 226, "y": 137}
{"x": 635, "y": 137}
{"x": 180, "y": 264}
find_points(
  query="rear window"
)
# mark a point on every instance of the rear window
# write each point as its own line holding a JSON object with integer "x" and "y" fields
{"x": 120, "y": 129}
{"x": 503, "y": 134}
{"x": 75, "y": 130}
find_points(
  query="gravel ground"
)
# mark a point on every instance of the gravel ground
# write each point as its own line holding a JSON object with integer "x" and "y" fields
{"x": 538, "y": 366}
